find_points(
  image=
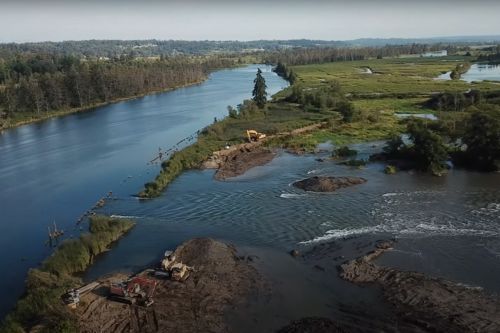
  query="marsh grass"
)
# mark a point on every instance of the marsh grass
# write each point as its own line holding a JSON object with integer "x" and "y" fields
{"x": 392, "y": 77}
{"x": 41, "y": 304}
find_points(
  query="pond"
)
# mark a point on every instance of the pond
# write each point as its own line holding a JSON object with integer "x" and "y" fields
{"x": 477, "y": 72}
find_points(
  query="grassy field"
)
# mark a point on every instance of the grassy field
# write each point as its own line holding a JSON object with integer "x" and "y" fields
{"x": 395, "y": 76}
{"x": 397, "y": 85}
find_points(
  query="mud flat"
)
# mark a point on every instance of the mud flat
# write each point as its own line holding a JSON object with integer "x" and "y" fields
{"x": 240, "y": 161}
{"x": 220, "y": 280}
{"x": 431, "y": 304}
{"x": 327, "y": 184}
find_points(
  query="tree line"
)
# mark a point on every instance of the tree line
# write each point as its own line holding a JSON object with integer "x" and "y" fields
{"x": 305, "y": 56}
{"x": 43, "y": 83}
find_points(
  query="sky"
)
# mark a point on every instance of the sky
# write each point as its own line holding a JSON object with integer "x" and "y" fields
{"x": 56, "y": 20}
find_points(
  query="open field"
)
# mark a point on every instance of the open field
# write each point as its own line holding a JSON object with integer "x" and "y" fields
{"x": 395, "y": 76}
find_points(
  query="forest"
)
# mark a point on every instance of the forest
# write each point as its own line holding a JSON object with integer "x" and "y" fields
{"x": 41, "y": 83}
{"x": 154, "y": 47}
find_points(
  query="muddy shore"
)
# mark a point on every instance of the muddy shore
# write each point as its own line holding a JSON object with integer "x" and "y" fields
{"x": 220, "y": 280}
{"x": 327, "y": 184}
{"x": 431, "y": 304}
{"x": 240, "y": 161}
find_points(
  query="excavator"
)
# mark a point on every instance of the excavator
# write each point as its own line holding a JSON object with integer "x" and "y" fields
{"x": 254, "y": 136}
{"x": 136, "y": 289}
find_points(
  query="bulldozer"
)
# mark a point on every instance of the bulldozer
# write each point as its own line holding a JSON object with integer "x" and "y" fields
{"x": 176, "y": 270}
{"x": 179, "y": 272}
{"x": 254, "y": 136}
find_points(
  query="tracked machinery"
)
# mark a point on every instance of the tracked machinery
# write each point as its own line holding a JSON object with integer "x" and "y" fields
{"x": 254, "y": 136}
{"x": 136, "y": 290}
{"x": 72, "y": 297}
{"x": 177, "y": 271}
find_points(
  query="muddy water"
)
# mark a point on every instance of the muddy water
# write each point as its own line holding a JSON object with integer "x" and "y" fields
{"x": 447, "y": 227}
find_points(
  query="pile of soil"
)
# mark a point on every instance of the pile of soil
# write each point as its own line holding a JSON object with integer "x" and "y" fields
{"x": 220, "y": 280}
{"x": 327, "y": 184}
{"x": 433, "y": 304}
{"x": 241, "y": 160}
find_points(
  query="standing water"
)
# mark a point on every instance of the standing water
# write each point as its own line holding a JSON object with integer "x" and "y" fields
{"x": 477, "y": 72}
{"x": 57, "y": 169}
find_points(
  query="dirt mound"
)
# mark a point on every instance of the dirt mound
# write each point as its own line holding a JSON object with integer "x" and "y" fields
{"x": 435, "y": 305}
{"x": 240, "y": 161}
{"x": 220, "y": 280}
{"x": 313, "y": 325}
{"x": 327, "y": 184}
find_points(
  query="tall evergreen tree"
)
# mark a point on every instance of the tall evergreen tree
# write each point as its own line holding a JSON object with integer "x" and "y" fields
{"x": 259, "y": 91}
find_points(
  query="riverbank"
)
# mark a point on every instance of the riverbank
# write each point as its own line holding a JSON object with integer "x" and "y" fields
{"x": 41, "y": 308}
{"x": 432, "y": 304}
{"x": 220, "y": 280}
{"x": 85, "y": 156}
{"x": 278, "y": 120}
{"x": 8, "y": 123}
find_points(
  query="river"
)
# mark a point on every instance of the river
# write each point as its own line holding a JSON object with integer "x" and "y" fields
{"x": 57, "y": 169}
{"x": 445, "y": 226}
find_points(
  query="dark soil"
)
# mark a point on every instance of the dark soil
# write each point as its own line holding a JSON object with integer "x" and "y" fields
{"x": 240, "y": 161}
{"x": 432, "y": 304}
{"x": 220, "y": 281}
{"x": 327, "y": 184}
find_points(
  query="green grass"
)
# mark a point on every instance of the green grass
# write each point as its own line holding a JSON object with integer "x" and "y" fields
{"x": 393, "y": 105}
{"x": 392, "y": 77}
{"x": 41, "y": 305}
{"x": 276, "y": 118}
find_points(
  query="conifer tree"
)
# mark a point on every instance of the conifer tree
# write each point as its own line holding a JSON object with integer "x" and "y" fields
{"x": 259, "y": 91}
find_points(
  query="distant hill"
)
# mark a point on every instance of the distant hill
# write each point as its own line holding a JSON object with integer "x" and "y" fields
{"x": 153, "y": 47}
{"x": 494, "y": 39}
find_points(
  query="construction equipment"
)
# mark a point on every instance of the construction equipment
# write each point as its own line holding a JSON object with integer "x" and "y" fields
{"x": 254, "y": 136}
{"x": 168, "y": 261}
{"x": 72, "y": 297}
{"x": 176, "y": 270}
{"x": 179, "y": 272}
{"x": 134, "y": 290}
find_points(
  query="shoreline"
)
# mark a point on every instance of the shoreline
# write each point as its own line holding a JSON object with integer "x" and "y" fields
{"x": 62, "y": 113}
{"x": 41, "y": 306}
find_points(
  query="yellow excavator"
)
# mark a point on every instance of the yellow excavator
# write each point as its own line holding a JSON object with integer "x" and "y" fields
{"x": 254, "y": 136}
